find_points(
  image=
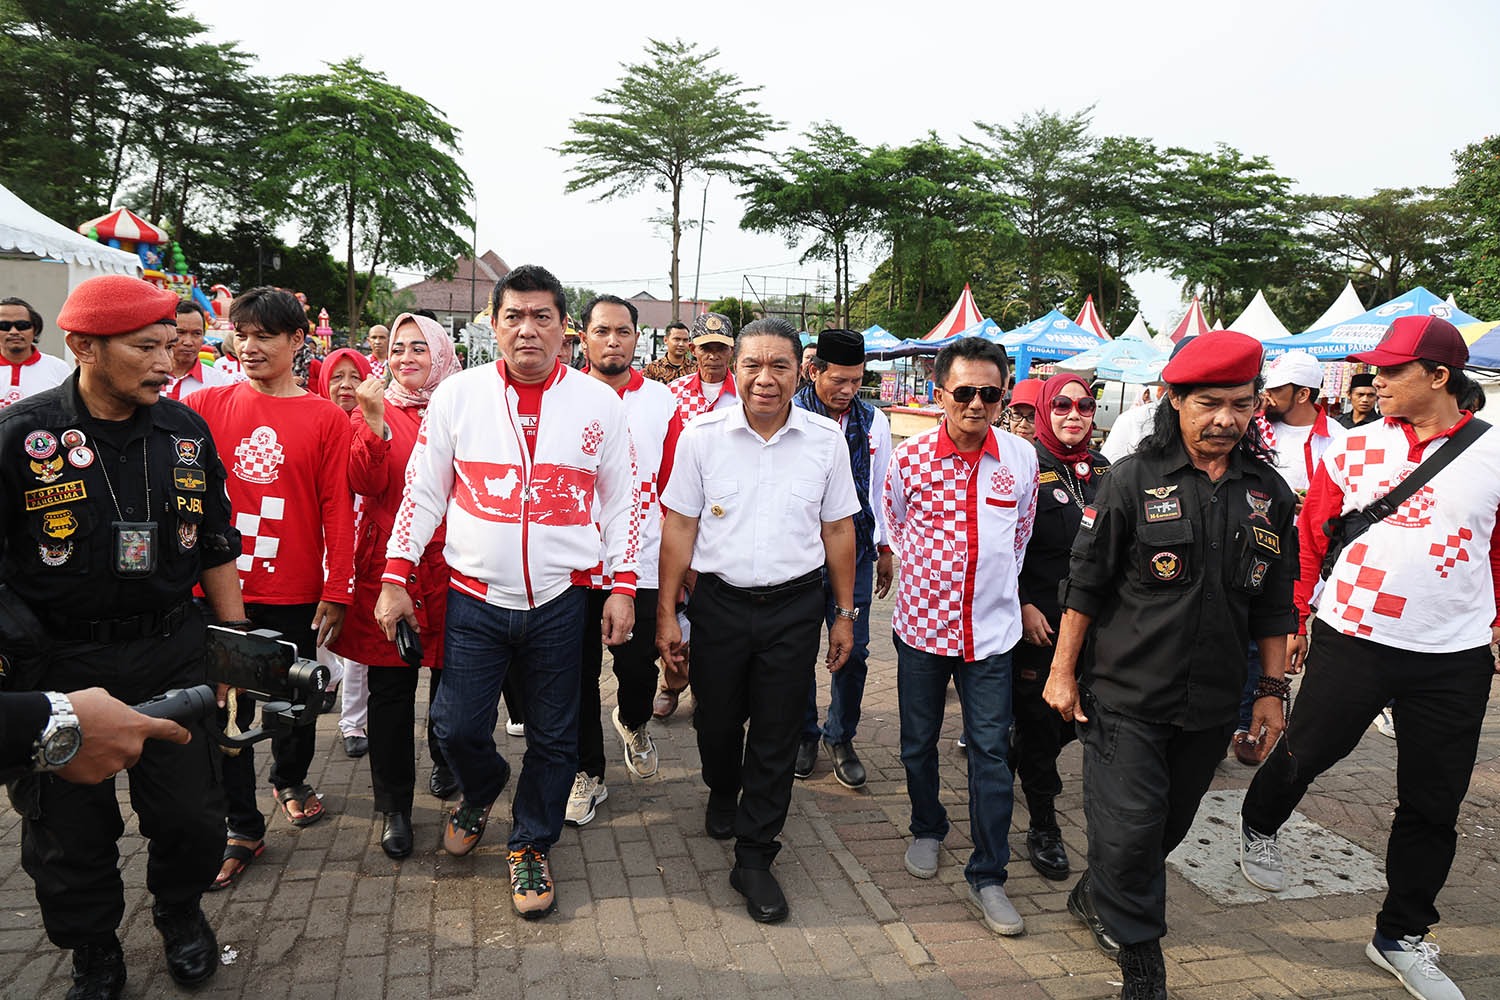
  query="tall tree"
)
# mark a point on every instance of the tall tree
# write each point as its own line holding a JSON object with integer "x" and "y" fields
{"x": 1401, "y": 236}
{"x": 1111, "y": 218}
{"x": 351, "y": 153}
{"x": 670, "y": 117}
{"x": 1476, "y": 196}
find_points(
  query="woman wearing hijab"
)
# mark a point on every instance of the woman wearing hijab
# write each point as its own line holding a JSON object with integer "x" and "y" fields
{"x": 1068, "y": 474}
{"x": 385, "y": 432}
{"x": 340, "y": 374}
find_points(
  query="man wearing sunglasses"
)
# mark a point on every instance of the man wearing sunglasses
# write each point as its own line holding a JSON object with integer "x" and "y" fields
{"x": 24, "y": 370}
{"x": 960, "y": 503}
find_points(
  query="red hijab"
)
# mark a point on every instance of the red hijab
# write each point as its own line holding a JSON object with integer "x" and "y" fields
{"x": 325, "y": 374}
{"x": 1046, "y": 436}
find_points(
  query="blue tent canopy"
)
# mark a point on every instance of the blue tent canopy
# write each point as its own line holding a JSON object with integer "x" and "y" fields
{"x": 1334, "y": 343}
{"x": 879, "y": 342}
{"x": 1052, "y": 337}
{"x": 986, "y": 328}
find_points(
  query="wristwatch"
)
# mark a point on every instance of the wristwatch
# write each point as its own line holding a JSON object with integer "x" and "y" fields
{"x": 853, "y": 615}
{"x": 60, "y": 740}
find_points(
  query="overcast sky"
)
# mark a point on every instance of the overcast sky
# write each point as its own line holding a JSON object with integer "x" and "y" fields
{"x": 1345, "y": 97}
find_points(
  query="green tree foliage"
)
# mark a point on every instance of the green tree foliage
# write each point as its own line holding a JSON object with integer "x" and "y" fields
{"x": 739, "y": 311}
{"x": 351, "y": 154}
{"x": 1111, "y": 221}
{"x": 1400, "y": 237}
{"x": 577, "y": 297}
{"x": 670, "y": 117}
{"x": 1476, "y": 197}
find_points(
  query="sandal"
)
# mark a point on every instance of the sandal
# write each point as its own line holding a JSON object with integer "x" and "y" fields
{"x": 302, "y": 794}
{"x": 237, "y": 858}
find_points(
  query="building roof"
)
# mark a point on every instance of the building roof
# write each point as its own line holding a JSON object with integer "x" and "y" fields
{"x": 657, "y": 313}
{"x": 471, "y": 284}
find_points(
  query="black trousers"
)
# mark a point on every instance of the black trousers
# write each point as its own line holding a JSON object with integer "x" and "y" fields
{"x": 1142, "y": 782}
{"x": 291, "y": 751}
{"x": 752, "y": 661}
{"x": 69, "y": 832}
{"x": 1439, "y": 708}
{"x": 391, "y": 725}
{"x": 634, "y": 665}
{"x": 1040, "y": 733}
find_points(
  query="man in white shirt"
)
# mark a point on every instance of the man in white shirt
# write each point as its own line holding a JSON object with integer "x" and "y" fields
{"x": 24, "y": 369}
{"x": 1132, "y": 427}
{"x": 189, "y": 373}
{"x": 380, "y": 344}
{"x": 751, "y": 487}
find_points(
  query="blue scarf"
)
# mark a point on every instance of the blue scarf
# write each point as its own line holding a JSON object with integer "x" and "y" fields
{"x": 857, "y": 434}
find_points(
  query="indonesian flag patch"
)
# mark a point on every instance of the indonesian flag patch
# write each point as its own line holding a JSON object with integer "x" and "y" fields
{"x": 1089, "y": 514}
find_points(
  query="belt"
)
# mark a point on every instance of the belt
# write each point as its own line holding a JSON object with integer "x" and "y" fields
{"x": 141, "y": 626}
{"x": 807, "y": 580}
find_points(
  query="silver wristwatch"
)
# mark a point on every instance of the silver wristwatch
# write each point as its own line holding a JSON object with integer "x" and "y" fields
{"x": 61, "y": 739}
{"x": 853, "y": 615}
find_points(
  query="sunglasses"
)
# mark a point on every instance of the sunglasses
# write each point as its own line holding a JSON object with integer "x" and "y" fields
{"x": 21, "y": 324}
{"x": 1064, "y": 405}
{"x": 988, "y": 394}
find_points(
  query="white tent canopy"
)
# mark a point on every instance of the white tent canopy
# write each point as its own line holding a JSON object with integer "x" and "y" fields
{"x": 24, "y": 230}
{"x": 1259, "y": 321}
{"x": 1344, "y": 308}
{"x": 1136, "y": 330}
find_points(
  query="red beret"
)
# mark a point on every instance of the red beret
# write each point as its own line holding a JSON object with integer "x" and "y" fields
{"x": 1222, "y": 357}
{"x": 113, "y": 304}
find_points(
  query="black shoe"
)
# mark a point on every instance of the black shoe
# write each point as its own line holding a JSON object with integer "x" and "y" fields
{"x": 1144, "y": 971}
{"x": 1048, "y": 855}
{"x": 717, "y": 825}
{"x": 192, "y": 950}
{"x": 395, "y": 837}
{"x": 1081, "y": 905}
{"x": 356, "y": 746}
{"x": 807, "y": 756}
{"x": 846, "y": 765}
{"x": 98, "y": 971}
{"x": 764, "y": 900}
{"x": 442, "y": 783}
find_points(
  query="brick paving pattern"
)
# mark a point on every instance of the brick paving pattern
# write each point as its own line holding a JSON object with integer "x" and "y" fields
{"x": 645, "y": 908}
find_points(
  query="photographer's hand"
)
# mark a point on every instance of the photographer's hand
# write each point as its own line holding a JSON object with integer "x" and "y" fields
{"x": 393, "y": 605}
{"x": 113, "y": 736}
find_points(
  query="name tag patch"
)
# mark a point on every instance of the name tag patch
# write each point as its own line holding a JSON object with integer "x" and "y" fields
{"x": 1268, "y": 540}
{"x": 1050, "y": 476}
{"x": 1168, "y": 509}
{"x": 53, "y": 496}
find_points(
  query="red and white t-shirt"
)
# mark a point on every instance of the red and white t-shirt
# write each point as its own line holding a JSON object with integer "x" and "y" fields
{"x": 693, "y": 401}
{"x": 197, "y": 377}
{"x": 232, "y": 368}
{"x": 1425, "y": 578}
{"x": 288, "y": 464}
{"x": 36, "y": 373}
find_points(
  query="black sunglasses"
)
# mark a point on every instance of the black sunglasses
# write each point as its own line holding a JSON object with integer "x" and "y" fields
{"x": 7, "y": 325}
{"x": 988, "y": 394}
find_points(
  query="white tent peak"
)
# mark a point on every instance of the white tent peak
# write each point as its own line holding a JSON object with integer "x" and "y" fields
{"x": 1136, "y": 330}
{"x": 25, "y": 230}
{"x": 963, "y": 315}
{"x": 1259, "y": 321}
{"x": 1345, "y": 307}
{"x": 1192, "y": 324}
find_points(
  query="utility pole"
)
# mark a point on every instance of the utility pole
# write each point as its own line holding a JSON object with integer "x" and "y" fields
{"x": 702, "y": 220}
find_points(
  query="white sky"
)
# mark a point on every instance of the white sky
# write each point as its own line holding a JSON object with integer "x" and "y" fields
{"x": 1343, "y": 96}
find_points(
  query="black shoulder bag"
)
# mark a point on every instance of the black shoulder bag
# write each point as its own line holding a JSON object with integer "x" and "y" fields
{"x": 1346, "y": 528}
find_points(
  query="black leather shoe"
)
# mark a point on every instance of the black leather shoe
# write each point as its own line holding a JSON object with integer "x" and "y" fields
{"x": 807, "y": 756}
{"x": 1048, "y": 855}
{"x": 356, "y": 746}
{"x": 192, "y": 950}
{"x": 98, "y": 971}
{"x": 1081, "y": 905}
{"x": 395, "y": 838}
{"x": 717, "y": 825}
{"x": 764, "y": 900}
{"x": 442, "y": 783}
{"x": 846, "y": 765}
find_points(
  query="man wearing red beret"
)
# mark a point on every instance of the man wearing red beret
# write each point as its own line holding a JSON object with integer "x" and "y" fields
{"x": 1195, "y": 526}
{"x": 113, "y": 506}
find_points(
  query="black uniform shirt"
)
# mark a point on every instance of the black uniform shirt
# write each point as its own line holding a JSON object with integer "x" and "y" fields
{"x": 1058, "y": 512}
{"x": 1348, "y": 422}
{"x": 57, "y": 512}
{"x": 1179, "y": 574}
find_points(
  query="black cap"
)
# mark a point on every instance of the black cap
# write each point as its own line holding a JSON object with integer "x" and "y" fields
{"x": 841, "y": 347}
{"x": 1364, "y": 380}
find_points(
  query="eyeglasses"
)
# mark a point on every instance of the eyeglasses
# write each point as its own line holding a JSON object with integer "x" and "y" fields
{"x": 1017, "y": 417}
{"x": 7, "y": 325}
{"x": 988, "y": 394}
{"x": 1064, "y": 405}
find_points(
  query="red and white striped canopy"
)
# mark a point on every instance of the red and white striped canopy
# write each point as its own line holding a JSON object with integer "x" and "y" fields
{"x": 963, "y": 315}
{"x": 1193, "y": 323}
{"x": 123, "y": 224}
{"x": 1088, "y": 318}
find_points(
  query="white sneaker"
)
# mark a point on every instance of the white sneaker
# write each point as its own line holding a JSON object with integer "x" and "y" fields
{"x": 587, "y": 793}
{"x": 640, "y": 749}
{"x": 1260, "y": 860}
{"x": 1385, "y": 722}
{"x": 515, "y": 728}
{"x": 1414, "y": 962}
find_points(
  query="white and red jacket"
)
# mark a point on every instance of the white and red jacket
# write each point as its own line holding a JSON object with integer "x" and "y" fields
{"x": 197, "y": 377}
{"x": 520, "y": 526}
{"x": 960, "y": 532}
{"x": 36, "y": 373}
{"x": 651, "y": 414}
{"x": 691, "y": 402}
{"x": 1300, "y": 469}
{"x": 1424, "y": 579}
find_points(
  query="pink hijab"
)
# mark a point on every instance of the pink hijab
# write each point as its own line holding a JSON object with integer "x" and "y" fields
{"x": 444, "y": 362}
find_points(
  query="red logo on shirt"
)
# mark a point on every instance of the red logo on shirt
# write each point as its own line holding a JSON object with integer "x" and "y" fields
{"x": 593, "y": 436}
{"x": 258, "y": 456}
{"x": 556, "y": 494}
{"x": 1003, "y": 481}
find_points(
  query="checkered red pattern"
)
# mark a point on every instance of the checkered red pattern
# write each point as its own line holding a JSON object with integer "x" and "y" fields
{"x": 1451, "y": 551}
{"x": 691, "y": 402}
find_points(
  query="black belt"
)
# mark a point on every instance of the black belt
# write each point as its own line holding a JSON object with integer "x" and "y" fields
{"x": 801, "y": 583}
{"x": 141, "y": 626}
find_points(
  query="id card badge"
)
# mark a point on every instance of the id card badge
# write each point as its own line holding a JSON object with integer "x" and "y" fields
{"x": 135, "y": 547}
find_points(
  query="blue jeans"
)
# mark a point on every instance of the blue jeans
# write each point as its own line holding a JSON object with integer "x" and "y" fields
{"x": 481, "y": 644}
{"x": 847, "y": 685}
{"x": 984, "y": 692}
{"x": 1252, "y": 681}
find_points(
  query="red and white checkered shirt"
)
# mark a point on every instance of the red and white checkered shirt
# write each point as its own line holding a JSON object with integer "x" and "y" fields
{"x": 1424, "y": 579}
{"x": 960, "y": 532}
{"x": 691, "y": 401}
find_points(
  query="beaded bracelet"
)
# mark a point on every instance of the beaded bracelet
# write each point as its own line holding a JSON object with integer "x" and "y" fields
{"x": 1273, "y": 687}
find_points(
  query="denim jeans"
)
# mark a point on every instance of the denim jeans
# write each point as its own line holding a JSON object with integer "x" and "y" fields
{"x": 984, "y": 693}
{"x": 1252, "y": 681}
{"x": 482, "y": 644}
{"x": 847, "y": 685}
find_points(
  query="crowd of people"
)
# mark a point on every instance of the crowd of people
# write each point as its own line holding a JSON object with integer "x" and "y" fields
{"x": 726, "y": 512}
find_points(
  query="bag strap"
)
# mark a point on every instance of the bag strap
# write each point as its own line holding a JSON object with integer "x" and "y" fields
{"x": 1379, "y": 510}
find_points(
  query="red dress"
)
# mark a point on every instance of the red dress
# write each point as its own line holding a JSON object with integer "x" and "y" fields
{"x": 377, "y": 471}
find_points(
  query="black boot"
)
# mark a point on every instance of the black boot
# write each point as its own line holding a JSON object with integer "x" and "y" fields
{"x": 192, "y": 950}
{"x": 98, "y": 971}
{"x": 1144, "y": 971}
{"x": 442, "y": 783}
{"x": 1081, "y": 905}
{"x": 1044, "y": 840}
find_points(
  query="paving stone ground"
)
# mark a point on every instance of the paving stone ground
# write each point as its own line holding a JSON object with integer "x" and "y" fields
{"x": 645, "y": 908}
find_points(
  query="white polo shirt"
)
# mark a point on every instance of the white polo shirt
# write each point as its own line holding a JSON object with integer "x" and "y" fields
{"x": 760, "y": 504}
{"x": 36, "y": 373}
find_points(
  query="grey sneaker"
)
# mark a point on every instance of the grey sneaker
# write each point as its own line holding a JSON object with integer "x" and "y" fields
{"x": 1260, "y": 860}
{"x": 640, "y": 750}
{"x": 587, "y": 793}
{"x": 922, "y": 857}
{"x": 1414, "y": 962}
{"x": 996, "y": 910}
